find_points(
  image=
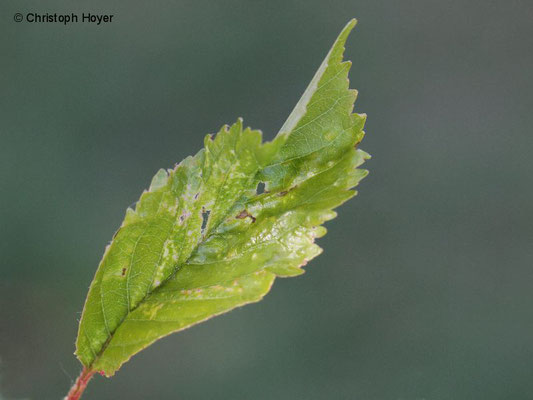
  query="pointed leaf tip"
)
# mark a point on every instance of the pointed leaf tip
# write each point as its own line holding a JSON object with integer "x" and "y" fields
{"x": 333, "y": 58}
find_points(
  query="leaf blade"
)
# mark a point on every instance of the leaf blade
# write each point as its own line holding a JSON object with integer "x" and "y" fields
{"x": 201, "y": 230}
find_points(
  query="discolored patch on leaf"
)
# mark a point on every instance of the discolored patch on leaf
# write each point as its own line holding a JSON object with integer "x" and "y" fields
{"x": 245, "y": 214}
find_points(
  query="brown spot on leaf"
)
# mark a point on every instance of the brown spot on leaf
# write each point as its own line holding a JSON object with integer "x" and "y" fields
{"x": 245, "y": 214}
{"x": 284, "y": 192}
{"x": 124, "y": 271}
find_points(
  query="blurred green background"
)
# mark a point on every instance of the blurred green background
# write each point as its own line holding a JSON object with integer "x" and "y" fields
{"x": 425, "y": 287}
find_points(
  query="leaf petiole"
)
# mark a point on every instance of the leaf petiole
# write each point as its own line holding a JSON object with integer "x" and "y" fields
{"x": 79, "y": 386}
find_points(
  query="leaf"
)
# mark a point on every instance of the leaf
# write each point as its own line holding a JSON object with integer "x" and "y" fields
{"x": 203, "y": 240}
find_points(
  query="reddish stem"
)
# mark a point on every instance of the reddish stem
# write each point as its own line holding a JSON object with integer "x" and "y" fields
{"x": 79, "y": 386}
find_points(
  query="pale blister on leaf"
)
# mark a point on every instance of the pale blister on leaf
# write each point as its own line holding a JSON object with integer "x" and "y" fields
{"x": 202, "y": 240}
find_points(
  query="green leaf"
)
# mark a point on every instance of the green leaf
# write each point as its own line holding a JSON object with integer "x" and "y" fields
{"x": 202, "y": 240}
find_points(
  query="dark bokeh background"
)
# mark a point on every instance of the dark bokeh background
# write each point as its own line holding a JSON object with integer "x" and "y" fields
{"x": 425, "y": 287}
